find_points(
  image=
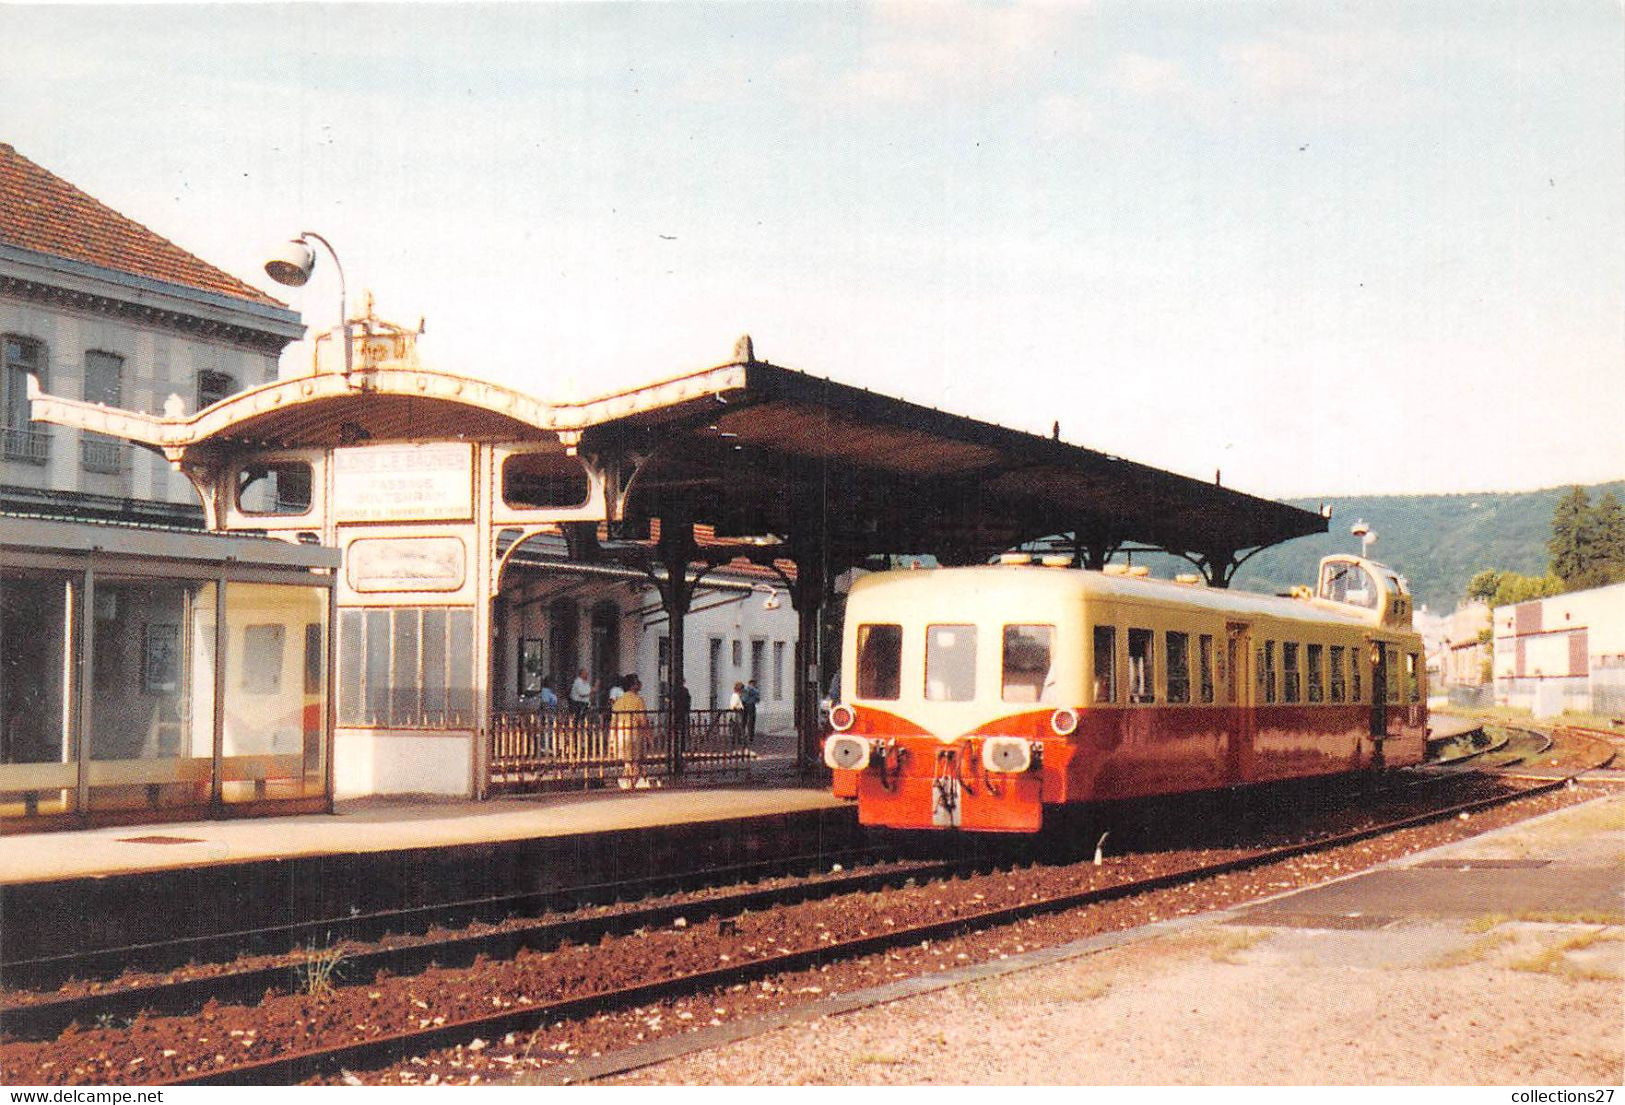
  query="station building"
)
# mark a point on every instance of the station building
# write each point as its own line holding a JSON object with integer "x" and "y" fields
{"x": 1562, "y": 654}
{"x": 96, "y": 306}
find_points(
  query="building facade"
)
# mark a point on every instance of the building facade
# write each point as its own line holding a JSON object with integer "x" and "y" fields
{"x": 1563, "y": 654}
{"x": 96, "y": 306}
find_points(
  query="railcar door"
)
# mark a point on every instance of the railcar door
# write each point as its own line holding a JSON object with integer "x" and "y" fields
{"x": 1238, "y": 684}
{"x": 1379, "y": 700}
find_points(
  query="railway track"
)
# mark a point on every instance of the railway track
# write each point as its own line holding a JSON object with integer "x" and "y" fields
{"x": 333, "y": 955}
{"x": 381, "y": 1050}
{"x": 44, "y": 1018}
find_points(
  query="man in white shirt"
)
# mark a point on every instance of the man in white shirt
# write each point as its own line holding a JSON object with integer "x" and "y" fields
{"x": 580, "y": 694}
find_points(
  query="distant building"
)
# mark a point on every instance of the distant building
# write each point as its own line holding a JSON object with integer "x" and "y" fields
{"x": 1564, "y": 653}
{"x": 98, "y": 307}
{"x": 1464, "y": 656}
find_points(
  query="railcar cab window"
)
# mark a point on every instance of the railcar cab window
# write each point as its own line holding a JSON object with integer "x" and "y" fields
{"x": 1105, "y": 663}
{"x": 1027, "y": 663}
{"x": 1179, "y": 667}
{"x": 1142, "y": 675}
{"x": 1392, "y": 674}
{"x": 1349, "y": 583}
{"x": 880, "y": 661}
{"x": 1413, "y": 681}
{"x": 950, "y": 663}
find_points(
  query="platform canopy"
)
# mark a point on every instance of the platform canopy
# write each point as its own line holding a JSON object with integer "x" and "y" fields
{"x": 780, "y": 452}
{"x": 754, "y": 450}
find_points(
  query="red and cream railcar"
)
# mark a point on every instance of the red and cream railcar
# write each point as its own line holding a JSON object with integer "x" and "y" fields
{"x": 978, "y": 696}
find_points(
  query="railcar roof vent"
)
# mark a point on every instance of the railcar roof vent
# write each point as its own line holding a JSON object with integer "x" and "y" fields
{"x": 1015, "y": 558}
{"x": 1056, "y": 560}
{"x": 1115, "y": 570}
{"x": 1139, "y": 571}
{"x": 1190, "y": 579}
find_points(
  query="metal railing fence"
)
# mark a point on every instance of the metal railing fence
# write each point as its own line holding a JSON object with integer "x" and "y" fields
{"x": 551, "y": 749}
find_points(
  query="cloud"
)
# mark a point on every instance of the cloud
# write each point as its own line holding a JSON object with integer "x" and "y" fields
{"x": 909, "y": 53}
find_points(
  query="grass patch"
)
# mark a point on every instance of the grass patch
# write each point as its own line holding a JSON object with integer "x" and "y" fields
{"x": 875, "y": 1059}
{"x": 1475, "y": 952}
{"x": 318, "y": 974}
{"x": 1228, "y": 945}
{"x": 1555, "y": 959}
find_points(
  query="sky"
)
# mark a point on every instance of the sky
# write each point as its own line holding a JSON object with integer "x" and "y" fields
{"x": 1323, "y": 249}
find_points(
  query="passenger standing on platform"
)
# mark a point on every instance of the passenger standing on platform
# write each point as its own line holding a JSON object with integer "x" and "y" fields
{"x": 737, "y": 702}
{"x": 750, "y": 697}
{"x": 546, "y": 699}
{"x": 629, "y": 723}
{"x": 736, "y": 724}
{"x": 580, "y": 695}
{"x": 617, "y": 689}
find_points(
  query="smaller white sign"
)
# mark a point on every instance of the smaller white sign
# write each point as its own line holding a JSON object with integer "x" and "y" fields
{"x": 403, "y": 483}
{"x": 405, "y": 563}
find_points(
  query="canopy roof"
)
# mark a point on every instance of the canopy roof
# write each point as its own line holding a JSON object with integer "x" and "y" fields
{"x": 754, "y": 449}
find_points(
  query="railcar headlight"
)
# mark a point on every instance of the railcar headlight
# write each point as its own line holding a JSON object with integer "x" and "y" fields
{"x": 846, "y": 753}
{"x": 1064, "y": 721}
{"x": 841, "y": 717}
{"x": 1007, "y": 755}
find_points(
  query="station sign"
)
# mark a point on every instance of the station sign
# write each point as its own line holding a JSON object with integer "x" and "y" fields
{"x": 404, "y": 483}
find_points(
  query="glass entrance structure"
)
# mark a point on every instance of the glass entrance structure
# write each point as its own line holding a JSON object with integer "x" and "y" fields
{"x": 151, "y": 674}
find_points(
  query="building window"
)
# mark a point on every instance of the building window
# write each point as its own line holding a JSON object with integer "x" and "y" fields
{"x": 1289, "y": 671}
{"x": 24, "y": 441}
{"x": 541, "y": 481}
{"x": 213, "y": 387}
{"x": 738, "y": 650}
{"x": 758, "y": 657}
{"x": 274, "y": 487}
{"x": 880, "y": 661}
{"x": 1105, "y": 663}
{"x": 407, "y": 667}
{"x": 1179, "y": 666}
{"x": 950, "y": 663}
{"x": 1142, "y": 675}
{"x": 1207, "y": 666}
{"x": 104, "y": 384}
{"x": 778, "y": 671}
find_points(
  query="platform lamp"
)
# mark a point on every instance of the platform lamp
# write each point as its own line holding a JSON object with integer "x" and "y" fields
{"x": 291, "y": 266}
{"x": 1367, "y": 536}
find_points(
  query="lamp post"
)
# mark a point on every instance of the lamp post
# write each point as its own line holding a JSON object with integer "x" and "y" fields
{"x": 292, "y": 264}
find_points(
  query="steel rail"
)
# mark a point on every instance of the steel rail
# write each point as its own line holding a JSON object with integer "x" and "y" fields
{"x": 295, "y": 1067}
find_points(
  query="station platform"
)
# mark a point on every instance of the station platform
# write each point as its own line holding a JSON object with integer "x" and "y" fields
{"x": 71, "y": 892}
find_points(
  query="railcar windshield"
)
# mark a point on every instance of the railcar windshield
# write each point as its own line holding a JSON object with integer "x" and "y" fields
{"x": 880, "y": 661}
{"x": 1027, "y": 663}
{"x": 1341, "y": 581}
{"x": 950, "y": 663}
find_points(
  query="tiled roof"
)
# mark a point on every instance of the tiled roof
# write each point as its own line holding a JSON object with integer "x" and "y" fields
{"x": 44, "y": 213}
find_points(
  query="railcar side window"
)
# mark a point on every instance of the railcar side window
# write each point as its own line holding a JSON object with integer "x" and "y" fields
{"x": 1413, "y": 681}
{"x": 1266, "y": 671}
{"x": 950, "y": 663}
{"x": 1179, "y": 667}
{"x": 1338, "y": 681}
{"x": 1356, "y": 690}
{"x": 1142, "y": 675}
{"x": 1105, "y": 663}
{"x": 1313, "y": 655}
{"x": 880, "y": 661}
{"x": 1393, "y": 673}
{"x": 1027, "y": 663}
{"x": 1289, "y": 671}
{"x": 1206, "y": 656}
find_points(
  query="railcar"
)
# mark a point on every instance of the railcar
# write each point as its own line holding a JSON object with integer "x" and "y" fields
{"x": 978, "y": 697}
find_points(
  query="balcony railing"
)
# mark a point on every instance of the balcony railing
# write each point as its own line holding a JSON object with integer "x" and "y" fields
{"x": 537, "y": 750}
{"x": 29, "y": 446}
{"x": 102, "y": 454}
